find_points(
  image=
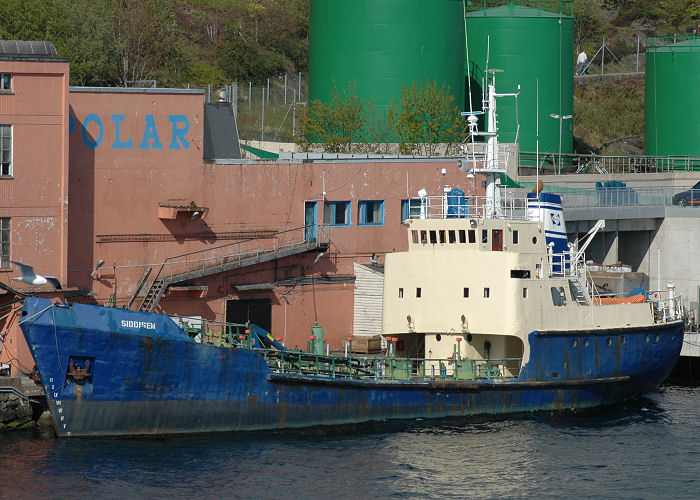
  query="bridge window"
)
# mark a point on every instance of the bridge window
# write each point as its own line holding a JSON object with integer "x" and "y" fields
{"x": 520, "y": 273}
{"x": 484, "y": 235}
{"x": 414, "y": 236}
{"x": 442, "y": 236}
{"x": 472, "y": 236}
{"x": 462, "y": 236}
{"x": 558, "y": 296}
{"x": 433, "y": 237}
{"x": 336, "y": 213}
{"x": 452, "y": 236}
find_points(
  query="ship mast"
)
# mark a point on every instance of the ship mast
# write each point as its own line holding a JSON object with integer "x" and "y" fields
{"x": 491, "y": 165}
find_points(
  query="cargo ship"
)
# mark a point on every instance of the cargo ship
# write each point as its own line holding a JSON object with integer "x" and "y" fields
{"x": 489, "y": 311}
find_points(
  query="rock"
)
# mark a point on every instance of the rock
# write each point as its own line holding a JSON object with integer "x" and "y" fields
{"x": 45, "y": 420}
{"x": 15, "y": 412}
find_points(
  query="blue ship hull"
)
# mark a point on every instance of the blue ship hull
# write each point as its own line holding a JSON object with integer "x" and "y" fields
{"x": 144, "y": 375}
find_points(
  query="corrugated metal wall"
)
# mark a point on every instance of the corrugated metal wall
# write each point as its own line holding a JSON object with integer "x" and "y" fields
{"x": 369, "y": 288}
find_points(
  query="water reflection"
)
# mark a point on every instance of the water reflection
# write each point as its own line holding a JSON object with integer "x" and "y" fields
{"x": 644, "y": 447}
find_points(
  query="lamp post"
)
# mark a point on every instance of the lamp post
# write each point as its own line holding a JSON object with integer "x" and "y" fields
{"x": 561, "y": 119}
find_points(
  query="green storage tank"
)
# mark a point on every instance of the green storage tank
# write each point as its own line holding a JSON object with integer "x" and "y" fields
{"x": 672, "y": 105}
{"x": 382, "y": 44}
{"x": 527, "y": 45}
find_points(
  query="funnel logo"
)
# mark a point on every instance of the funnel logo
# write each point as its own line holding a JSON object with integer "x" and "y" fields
{"x": 556, "y": 219}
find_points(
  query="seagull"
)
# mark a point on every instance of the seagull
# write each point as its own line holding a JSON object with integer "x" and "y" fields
{"x": 31, "y": 278}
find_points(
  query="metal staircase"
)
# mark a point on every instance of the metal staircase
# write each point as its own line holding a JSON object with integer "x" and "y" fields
{"x": 578, "y": 293}
{"x": 225, "y": 258}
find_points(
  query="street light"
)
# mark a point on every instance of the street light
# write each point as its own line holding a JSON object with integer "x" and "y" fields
{"x": 561, "y": 119}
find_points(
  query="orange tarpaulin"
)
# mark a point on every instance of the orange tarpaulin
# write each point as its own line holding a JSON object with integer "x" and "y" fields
{"x": 634, "y": 299}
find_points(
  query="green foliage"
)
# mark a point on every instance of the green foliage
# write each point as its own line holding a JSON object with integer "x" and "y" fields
{"x": 337, "y": 125}
{"x": 426, "y": 117}
{"x": 265, "y": 38}
{"x": 589, "y": 25}
{"x": 607, "y": 110}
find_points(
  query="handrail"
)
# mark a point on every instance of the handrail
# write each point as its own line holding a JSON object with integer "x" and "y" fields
{"x": 279, "y": 240}
{"x": 592, "y": 163}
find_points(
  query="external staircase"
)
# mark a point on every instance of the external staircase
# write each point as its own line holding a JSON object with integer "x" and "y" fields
{"x": 181, "y": 268}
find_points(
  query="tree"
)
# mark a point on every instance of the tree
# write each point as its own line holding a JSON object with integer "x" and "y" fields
{"x": 426, "y": 117}
{"x": 338, "y": 125}
{"x": 588, "y": 25}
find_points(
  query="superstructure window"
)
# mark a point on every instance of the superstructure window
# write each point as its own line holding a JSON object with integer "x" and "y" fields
{"x": 401, "y": 293}
{"x": 452, "y": 236}
{"x": 5, "y": 242}
{"x": 5, "y": 81}
{"x": 371, "y": 213}
{"x": 414, "y": 236}
{"x": 410, "y": 209}
{"x": 515, "y": 237}
{"x": 484, "y": 236}
{"x": 462, "y": 236}
{"x": 520, "y": 273}
{"x": 5, "y": 149}
{"x": 487, "y": 293}
{"x": 472, "y": 236}
{"x": 336, "y": 213}
{"x": 418, "y": 293}
{"x": 465, "y": 293}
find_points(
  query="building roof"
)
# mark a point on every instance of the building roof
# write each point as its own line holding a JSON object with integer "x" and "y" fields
{"x": 28, "y": 50}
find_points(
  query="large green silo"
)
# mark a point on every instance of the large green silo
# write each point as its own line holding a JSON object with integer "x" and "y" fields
{"x": 672, "y": 107}
{"x": 529, "y": 46}
{"x": 382, "y": 44}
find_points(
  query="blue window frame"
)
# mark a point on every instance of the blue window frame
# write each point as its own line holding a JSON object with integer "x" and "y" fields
{"x": 371, "y": 213}
{"x": 410, "y": 209}
{"x": 336, "y": 213}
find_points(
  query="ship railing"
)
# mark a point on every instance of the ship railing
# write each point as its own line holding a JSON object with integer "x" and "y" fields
{"x": 666, "y": 305}
{"x": 506, "y": 206}
{"x": 389, "y": 368}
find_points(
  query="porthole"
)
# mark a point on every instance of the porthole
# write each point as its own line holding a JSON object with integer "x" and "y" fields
{"x": 534, "y": 240}
{"x": 469, "y": 337}
{"x": 438, "y": 337}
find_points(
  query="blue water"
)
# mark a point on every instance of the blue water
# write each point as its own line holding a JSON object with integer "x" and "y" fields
{"x": 645, "y": 448}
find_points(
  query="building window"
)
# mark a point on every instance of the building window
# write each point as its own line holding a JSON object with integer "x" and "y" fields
{"x": 5, "y": 81}
{"x": 5, "y": 149}
{"x": 4, "y": 242}
{"x": 336, "y": 213}
{"x": 371, "y": 213}
{"x": 410, "y": 209}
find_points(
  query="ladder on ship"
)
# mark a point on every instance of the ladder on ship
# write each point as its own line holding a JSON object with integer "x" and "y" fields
{"x": 181, "y": 268}
{"x": 578, "y": 293}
